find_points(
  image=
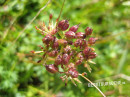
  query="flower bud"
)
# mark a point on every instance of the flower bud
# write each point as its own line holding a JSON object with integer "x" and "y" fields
{"x": 63, "y": 25}
{"x": 78, "y": 62}
{"x": 73, "y": 73}
{"x": 92, "y": 55}
{"x": 70, "y": 34}
{"x": 87, "y": 51}
{"x": 88, "y": 31}
{"x": 80, "y": 35}
{"x": 92, "y": 40}
{"x": 48, "y": 38}
{"x": 50, "y": 16}
{"x": 74, "y": 28}
{"x": 58, "y": 60}
{"x": 78, "y": 42}
{"x": 67, "y": 49}
{"x": 54, "y": 31}
{"x": 51, "y": 68}
{"x": 79, "y": 56}
{"x": 53, "y": 53}
{"x": 65, "y": 59}
{"x": 55, "y": 45}
{"x": 62, "y": 42}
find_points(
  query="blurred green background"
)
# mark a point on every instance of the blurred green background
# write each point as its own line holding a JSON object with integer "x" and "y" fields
{"x": 21, "y": 76}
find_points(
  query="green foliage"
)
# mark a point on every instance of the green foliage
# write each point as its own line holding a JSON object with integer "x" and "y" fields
{"x": 21, "y": 76}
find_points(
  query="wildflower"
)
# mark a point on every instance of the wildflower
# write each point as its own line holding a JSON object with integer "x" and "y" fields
{"x": 67, "y": 49}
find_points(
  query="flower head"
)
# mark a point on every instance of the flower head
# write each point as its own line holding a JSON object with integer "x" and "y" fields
{"x": 66, "y": 49}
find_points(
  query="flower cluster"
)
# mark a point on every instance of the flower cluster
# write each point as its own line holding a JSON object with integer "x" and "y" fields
{"x": 66, "y": 48}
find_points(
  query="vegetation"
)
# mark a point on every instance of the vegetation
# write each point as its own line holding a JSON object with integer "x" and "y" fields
{"x": 22, "y": 76}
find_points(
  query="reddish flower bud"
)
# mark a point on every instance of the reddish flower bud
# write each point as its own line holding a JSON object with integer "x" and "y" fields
{"x": 74, "y": 28}
{"x": 50, "y": 16}
{"x": 62, "y": 42}
{"x": 88, "y": 31}
{"x": 53, "y": 53}
{"x": 67, "y": 49}
{"x": 92, "y": 55}
{"x": 55, "y": 45}
{"x": 78, "y": 62}
{"x": 79, "y": 56}
{"x": 70, "y": 34}
{"x": 92, "y": 40}
{"x": 73, "y": 73}
{"x": 51, "y": 68}
{"x": 65, "y": 59}
{"x": 80, "y": 43}
{"x": 54, "y": 31}
{"x": 80, "y": 35}
{"x": 48, "y": 38}
{"x": 87, "y": 51}
{"x": 58, "y": 60}
{"x": 63, "y": 25}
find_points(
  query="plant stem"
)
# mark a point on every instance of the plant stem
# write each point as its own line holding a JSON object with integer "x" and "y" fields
{"x": 93, "y": 85}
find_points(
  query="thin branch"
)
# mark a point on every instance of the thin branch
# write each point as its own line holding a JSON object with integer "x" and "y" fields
{"x": 60, "y": 11}
{"x": 7, "y": 30}
{"x": 93, "y": 85}
{"x": 31, "y": 21}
